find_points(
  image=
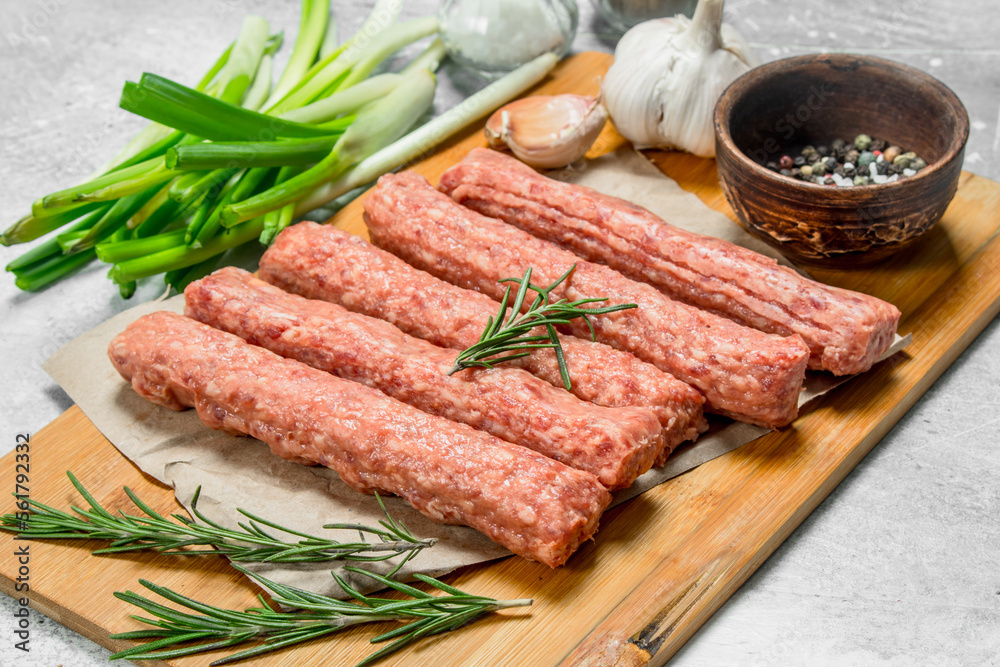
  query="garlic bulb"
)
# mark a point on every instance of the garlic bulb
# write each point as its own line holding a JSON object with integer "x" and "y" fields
{"x": 547, "y": 131}
{"x": 667, "y": 76}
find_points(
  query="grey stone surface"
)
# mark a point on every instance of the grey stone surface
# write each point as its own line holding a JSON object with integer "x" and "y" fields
{"x": 899, "y": 566}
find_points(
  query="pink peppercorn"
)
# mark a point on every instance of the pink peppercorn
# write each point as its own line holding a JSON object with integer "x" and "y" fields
{"x": 786, "y": 162}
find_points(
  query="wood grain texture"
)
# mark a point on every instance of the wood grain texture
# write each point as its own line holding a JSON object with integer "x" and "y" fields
{"x": 662, "y": 563}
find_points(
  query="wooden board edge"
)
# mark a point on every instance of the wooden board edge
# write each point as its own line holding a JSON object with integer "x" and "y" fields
{"x": 681, "y": 616}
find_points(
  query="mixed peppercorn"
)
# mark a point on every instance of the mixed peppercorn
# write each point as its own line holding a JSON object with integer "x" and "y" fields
{"x": 863, "y": 161}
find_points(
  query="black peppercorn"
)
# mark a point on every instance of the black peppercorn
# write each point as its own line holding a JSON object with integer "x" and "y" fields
{"x": 858, "y": 161}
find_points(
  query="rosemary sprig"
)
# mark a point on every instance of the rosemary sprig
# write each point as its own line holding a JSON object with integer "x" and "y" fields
{"x": 509, "y": 336}
{"x": 313, "y": 616}
{"x": 251, "y": 543}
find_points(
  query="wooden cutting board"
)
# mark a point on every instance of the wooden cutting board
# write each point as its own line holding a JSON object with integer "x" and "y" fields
{"x": 662, "y": 563}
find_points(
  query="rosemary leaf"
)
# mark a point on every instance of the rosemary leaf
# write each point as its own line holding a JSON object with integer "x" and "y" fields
{"x": 250, "y": 543}
{"x": 514, "y": 333}
{"x": 309, "y": 616}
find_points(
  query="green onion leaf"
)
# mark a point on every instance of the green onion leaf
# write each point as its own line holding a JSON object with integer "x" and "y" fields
{"x": 185, "y": 109}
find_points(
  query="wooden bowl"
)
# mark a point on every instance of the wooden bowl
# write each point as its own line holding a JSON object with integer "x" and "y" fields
{"x": 780, "y": 107}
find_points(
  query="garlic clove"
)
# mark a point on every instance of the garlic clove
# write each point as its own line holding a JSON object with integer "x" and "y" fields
{"x": 547, "y": 131}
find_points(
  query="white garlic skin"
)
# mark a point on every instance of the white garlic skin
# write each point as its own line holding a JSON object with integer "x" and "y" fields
{"x": 547, "y": 131}
{"x": 668, "y": 74}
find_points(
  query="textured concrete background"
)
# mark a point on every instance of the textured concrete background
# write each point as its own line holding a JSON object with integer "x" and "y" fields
{"x": 899, "y": 566}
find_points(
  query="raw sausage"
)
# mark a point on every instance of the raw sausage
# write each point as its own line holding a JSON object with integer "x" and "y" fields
{"x": 535, "y": 506}
{"x": 615, "y": 444}
{"x": 743, "y": 373}
{"x": 322, "y": 262}
{"x": 846, "y": 331}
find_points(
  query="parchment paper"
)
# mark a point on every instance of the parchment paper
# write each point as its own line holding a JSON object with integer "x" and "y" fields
{"x": 240, "y": 472}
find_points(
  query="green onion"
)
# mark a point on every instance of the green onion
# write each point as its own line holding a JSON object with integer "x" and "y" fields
{"x": 345, "y": 101}
{"x": 275, "y": 222}
{"x": 191, "y": 186}
{"x": 139, "y": 148}
{"x": 185, "y": 109}
{"x": 278, "y": 219}
{"x": 313, "y": 27}
{"x": 217, "y": 154}
{"x": 127, "y": 290}
{"x": 244, "y": 59}
{"x": 203, "y": 208}
{"x": 245, "y": 183}
{"x": 178, "y": 257}
{"x": 257, "y": 93}
{"x": 153, "y": 178}
{"x": 151, "y": 141}
{"x": 158, "y": 220}
{"x": 154, "y": 204}
{"x": 432, "y": 133}
{"x": 389, "y": 42}
{"x": 116, "y": 217}
{"x": 386, "y": 121}
{"x": 179, "y": 189}
{"x": 71, "y": 196}
{"x": 47, "y": 250}
{"x": 338, "y": 125}
{"x": 118, "y": 251}
{"x": 376, "y": 46}
{"x": 48, "y": 272}
{"x": 69, "y": 240}
{"x": 34, "y": 225}
{"x": 383, "y": 14}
